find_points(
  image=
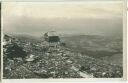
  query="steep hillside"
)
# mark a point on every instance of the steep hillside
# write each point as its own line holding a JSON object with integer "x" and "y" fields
{"x": 44, "y": 61}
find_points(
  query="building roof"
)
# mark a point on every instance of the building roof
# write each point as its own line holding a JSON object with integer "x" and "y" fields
{"x": 52, "y": 33}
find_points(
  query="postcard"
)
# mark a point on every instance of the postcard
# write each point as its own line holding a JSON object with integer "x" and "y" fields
{"x": 63, "y": 40}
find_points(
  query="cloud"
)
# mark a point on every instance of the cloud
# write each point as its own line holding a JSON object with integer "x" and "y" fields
{"x": 68, "y": 10}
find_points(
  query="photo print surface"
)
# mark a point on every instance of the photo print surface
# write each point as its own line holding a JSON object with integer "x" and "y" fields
{"x": 62, "y": 40}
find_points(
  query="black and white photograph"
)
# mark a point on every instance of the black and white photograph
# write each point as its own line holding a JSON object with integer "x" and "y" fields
{"x": 53, "y": 40}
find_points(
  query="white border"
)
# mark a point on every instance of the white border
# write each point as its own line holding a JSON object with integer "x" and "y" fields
{"x": 72, "y": 80}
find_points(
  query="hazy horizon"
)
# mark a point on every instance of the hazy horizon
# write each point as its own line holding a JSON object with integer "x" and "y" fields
{"x": 91, "y": 18}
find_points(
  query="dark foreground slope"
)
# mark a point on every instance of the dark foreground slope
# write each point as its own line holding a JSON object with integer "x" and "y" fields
{"x": 59, "y": 62}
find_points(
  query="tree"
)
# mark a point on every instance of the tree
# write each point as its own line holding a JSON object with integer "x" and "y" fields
{"x": 14, "y": 51}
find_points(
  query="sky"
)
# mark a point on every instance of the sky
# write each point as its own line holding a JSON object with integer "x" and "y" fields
{"x": 89, "y": 18}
